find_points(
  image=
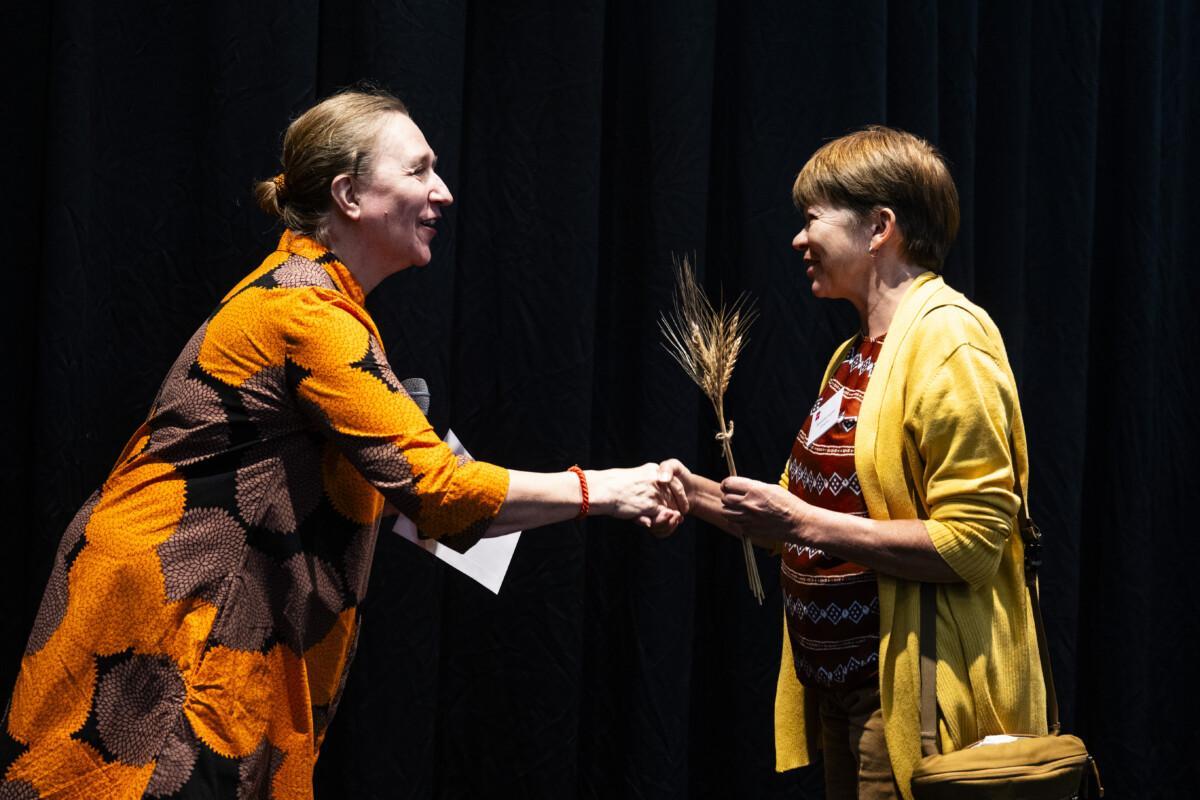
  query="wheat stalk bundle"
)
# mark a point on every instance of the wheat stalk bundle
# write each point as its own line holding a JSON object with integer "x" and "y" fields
{"x": 706, "y": 341}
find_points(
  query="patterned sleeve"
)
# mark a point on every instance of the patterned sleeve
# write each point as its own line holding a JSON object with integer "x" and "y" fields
{"x": 343, "y": 383}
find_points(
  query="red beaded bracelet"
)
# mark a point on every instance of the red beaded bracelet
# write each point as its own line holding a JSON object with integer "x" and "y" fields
{"x": 584, "y": 505}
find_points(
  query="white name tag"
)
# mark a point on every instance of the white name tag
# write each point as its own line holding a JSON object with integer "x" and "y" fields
{"x": 828, "y": 415}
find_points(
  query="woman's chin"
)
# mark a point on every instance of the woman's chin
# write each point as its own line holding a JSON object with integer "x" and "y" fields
{"x": 420, "y": 258}
{"x": 815, "y": 282}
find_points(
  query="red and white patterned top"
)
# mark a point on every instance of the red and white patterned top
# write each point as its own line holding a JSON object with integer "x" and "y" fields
{"x": 832, "y": 606}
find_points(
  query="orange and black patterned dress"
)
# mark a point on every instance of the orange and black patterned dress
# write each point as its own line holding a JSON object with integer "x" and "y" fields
{"x": 202, "y": 610}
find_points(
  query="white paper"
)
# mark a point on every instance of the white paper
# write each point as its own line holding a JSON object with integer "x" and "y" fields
{"x": 488, "y": 559}
{"x": 995, "y": 738}
{"x": 828, "y": 415}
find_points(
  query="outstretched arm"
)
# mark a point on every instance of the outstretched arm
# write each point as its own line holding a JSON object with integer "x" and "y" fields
{"x": 639, "y": 494}
{"x": 346, "y": 387}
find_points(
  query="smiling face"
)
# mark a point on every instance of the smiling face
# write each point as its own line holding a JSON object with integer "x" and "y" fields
{"x": 402, "y": 197}
{"x": 834, "y": 244}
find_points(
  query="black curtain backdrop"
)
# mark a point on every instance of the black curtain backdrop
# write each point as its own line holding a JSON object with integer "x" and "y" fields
{"x": 586, "y": 143}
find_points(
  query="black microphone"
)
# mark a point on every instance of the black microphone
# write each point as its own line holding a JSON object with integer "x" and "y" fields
{"x": 418, "y": 390}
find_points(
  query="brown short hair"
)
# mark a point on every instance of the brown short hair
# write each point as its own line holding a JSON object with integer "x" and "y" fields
{"x": 879, "y": 167}
{"x": 333, "y": 137}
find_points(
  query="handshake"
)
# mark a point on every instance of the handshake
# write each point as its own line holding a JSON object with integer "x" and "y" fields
{"x": 658, "y": 496}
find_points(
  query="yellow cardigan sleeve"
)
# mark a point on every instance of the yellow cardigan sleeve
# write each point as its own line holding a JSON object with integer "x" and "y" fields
{"x": 961, "y": 423}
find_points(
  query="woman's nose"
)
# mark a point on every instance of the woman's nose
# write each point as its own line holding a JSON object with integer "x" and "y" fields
{"x": 441, "y": 192}
{"x": 801, "y": 240}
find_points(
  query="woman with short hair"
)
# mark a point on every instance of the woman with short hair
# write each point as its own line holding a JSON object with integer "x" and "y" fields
{"x": 905, "y": 471}
{"x": 203, "y": 606}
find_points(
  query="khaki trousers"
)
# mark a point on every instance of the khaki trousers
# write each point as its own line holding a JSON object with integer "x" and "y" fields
{"x": 856, "y": 755}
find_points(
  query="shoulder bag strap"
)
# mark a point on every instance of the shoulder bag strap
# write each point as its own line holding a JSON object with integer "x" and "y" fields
{"x": 1032, "y": 538}
{"x": 928, "y": 637}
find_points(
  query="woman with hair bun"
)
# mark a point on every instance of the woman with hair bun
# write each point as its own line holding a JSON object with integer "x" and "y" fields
{"x": 904, "y": 473}
{"x": 203, "y": 606}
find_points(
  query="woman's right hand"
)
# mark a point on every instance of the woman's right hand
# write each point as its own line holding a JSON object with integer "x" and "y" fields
{"x": 683, "y": 483}
{"x": 703, "y": 495}
{"x": 653, "y": 498}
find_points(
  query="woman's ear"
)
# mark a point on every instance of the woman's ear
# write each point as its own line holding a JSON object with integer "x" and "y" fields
{"x": 345, "y": 196}
{"x": 883, "y": 228}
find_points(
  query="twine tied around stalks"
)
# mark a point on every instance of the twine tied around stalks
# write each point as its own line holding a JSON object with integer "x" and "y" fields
{"x": 705, "y": 341}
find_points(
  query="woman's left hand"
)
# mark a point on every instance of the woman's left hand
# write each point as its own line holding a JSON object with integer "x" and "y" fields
{"x": 761, "y": 510}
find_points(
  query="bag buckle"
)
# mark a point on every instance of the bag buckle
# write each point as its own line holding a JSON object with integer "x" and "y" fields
{"x": 1032, "y": 537}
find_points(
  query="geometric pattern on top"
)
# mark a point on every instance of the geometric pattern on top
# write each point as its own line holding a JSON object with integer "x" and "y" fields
{"x": 863, "y": 363}
{"x": 202, "y": 609}
{"x": 815, "y": 672}
{"x": 831, "y": 605}
{"x": 815, "y": 483}
{"x": 831, "y": 612}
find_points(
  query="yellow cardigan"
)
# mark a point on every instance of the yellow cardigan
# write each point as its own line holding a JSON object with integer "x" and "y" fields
{"x": 933, "y": 444}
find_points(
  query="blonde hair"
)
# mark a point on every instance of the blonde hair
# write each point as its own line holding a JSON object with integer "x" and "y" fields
{"x": 333, "y": 137}
{"x": 879, "y": 167}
